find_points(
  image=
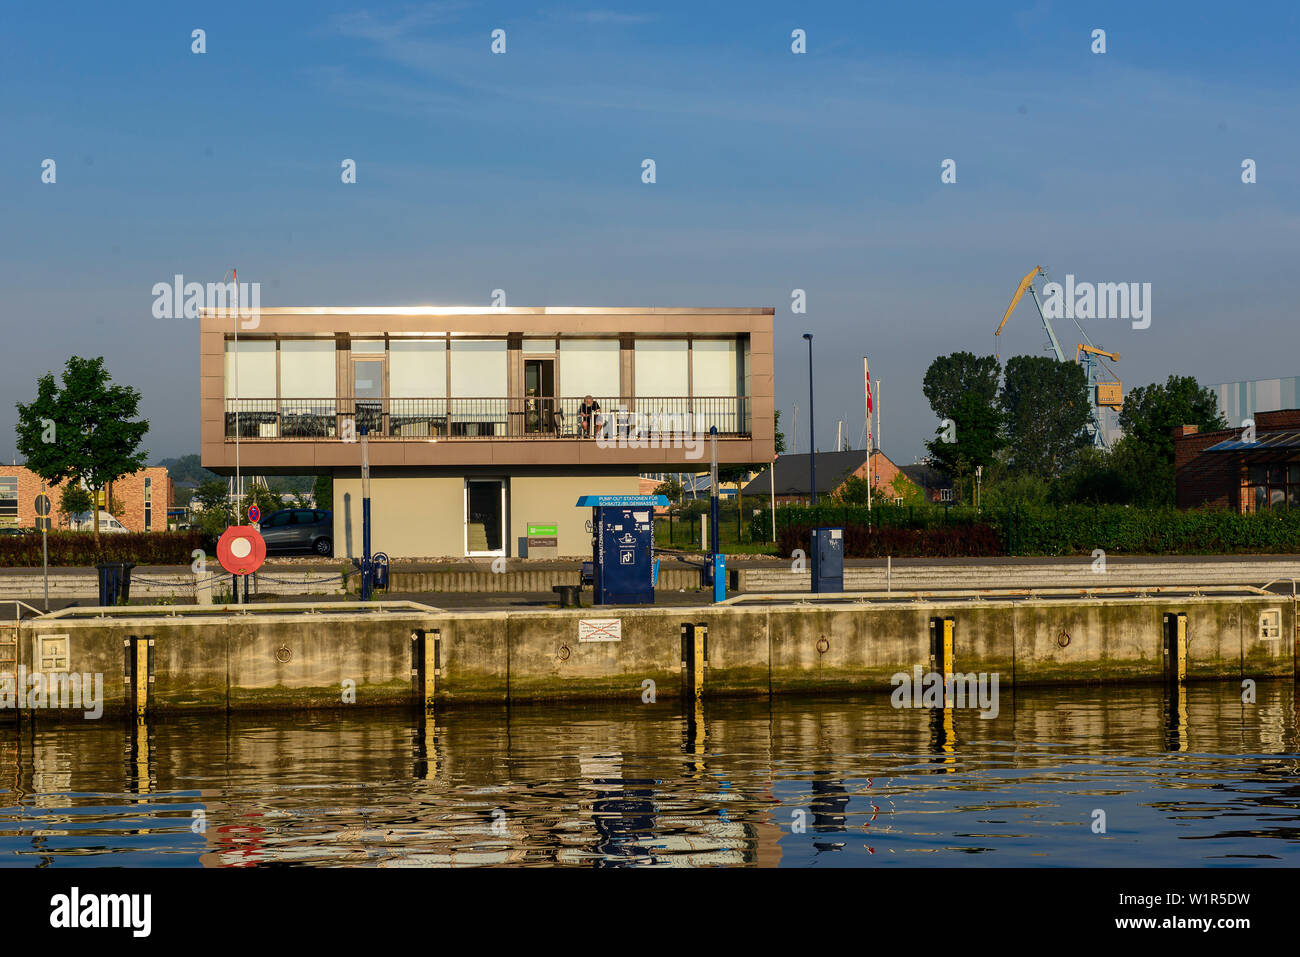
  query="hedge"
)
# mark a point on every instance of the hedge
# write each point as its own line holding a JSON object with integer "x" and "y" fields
{"x": 1050, "y": 530}
{"x": 861, "y": 541}
{"x": 78, "y": 548}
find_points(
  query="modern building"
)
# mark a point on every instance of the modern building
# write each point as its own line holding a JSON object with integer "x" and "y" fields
{"x": 1232, "y": 469}
{"x": 145, "y": 497}
{"x": 1239, "y": 401}
{"x": 475, "y": 418}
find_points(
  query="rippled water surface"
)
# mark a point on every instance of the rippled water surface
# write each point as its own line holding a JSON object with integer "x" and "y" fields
{"x": 1187, "y": 779}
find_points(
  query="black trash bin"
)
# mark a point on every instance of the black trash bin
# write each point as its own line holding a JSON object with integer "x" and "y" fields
{"x": 114, "y": 582}
{"x": 379, "y": 571}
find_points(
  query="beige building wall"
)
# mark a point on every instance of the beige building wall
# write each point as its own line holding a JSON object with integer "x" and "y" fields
{"x": 411, "y": 516}
{"x": 422, "y": 516}
{"x": 550, "y": 499}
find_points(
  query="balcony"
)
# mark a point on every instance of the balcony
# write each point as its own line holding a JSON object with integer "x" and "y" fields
{"x": 318, "y": 420}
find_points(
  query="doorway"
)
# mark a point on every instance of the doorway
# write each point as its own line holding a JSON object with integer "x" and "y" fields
{"x": 539, "y": 395}
{"x": 368, "y": 393}
{"x": 485, "y": 512}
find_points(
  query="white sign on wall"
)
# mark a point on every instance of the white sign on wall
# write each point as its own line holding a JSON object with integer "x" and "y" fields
{"x": 600, "y": 629}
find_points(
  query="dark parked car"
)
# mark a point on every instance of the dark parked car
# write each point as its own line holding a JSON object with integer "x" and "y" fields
{"x": 299, "y": 530}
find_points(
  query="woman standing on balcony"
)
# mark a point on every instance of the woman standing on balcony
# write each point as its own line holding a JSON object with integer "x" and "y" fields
{"x": 586, "y": 414}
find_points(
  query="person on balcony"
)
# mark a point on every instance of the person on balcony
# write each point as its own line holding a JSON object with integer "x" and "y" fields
{"x": 587, "y": 416}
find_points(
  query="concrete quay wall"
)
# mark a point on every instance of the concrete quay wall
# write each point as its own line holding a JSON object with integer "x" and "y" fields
{"x": 202, "y": 658}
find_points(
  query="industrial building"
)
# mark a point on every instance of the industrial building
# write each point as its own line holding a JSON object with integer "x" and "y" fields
{"x": 1239, "y": 401}
{"x": 1233, "y": 469}
{"x": 476, "y": 419}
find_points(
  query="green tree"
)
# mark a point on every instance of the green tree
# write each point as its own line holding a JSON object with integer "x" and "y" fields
{"x": 970, "y": 436}
{"x": 84, "y": 432}
{"x": 265, "y": 498}
{"x": 323, "y": 492}
{"x": 780, "y": 436}
{"x": 962, "y": 390}
{"x": 1045, "y": 402}
{"x": 1151, "y": 412}
{"x": 950, "y": 377}
{"x": 671, "y": 488}
{"x": 212, "y": 507}
{"x": 75, "y": 500}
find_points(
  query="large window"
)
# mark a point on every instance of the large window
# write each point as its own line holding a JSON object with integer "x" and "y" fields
{"x": 1267, "y": 487}
{"x": 307, "y": 369}
{"x": 589, "y": 367}
{"x": 662, "y": 367}
{"x": 417, "y": 369}
{"x": 714, "y": 385}
{"x": 478, "y": 387}
{"x": 9, "y": 500}
{"x": 250, "y": 369}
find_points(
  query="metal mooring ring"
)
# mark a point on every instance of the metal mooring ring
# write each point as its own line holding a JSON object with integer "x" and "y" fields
{"x": 823, "y": 646}
{"x": 1063, "y": 638}
{"x": 283, "y": 654}
{"x": 564, "y": 653}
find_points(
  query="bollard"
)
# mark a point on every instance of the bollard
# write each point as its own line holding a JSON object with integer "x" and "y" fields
{"x": 719, "y": 577}
{"x": 1175, "y": 647}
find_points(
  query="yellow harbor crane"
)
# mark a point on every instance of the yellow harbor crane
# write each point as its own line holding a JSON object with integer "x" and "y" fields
{"x": 1104, "y": 387}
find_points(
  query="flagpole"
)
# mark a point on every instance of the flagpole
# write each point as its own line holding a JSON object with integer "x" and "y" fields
{"x": 866, "y": 391}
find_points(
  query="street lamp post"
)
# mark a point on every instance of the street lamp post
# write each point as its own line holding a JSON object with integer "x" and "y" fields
{"x": 812, "y": 425}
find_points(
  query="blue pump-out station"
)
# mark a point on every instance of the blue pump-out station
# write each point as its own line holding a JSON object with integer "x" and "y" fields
{"x": 622, "y": 547}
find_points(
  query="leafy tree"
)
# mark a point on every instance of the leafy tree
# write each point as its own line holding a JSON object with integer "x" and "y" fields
{"x": 1045, "y": 402}
{"x": 266, "y": 500}
{"x": 671, "y": 488}
{"x": 1149, "y": 417}
{"x": 976, "y": 436}
{"x": 75, "y": 500}
{"x": 85, "y": 432}
{"x": 950, "y": 377}
{"x": 323, "y": 492}
{"x": 1096, "y": 478}
{"x": 1151, "y": 412}
{"x": 780, "y": 436}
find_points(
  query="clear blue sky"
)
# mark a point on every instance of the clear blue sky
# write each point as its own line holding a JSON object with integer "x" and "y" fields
{"x": 775, "y": 171}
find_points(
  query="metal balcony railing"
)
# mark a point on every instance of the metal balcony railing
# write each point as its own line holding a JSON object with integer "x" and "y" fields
{"x": 613, "y": 418}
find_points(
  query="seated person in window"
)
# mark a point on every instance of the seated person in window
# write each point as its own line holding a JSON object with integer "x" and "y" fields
{"x": 587, "y": 415}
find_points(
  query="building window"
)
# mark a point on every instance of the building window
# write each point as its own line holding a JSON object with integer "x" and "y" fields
{"x": 1270, "y": 625}
{"x": 148, "y": 503}
{"x": 945, "y": 495}
{"x": 1268, "y": 487}
{"x": 9, "y": 500}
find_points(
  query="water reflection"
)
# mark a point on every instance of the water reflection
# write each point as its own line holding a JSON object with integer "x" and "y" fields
{"x": 1184, "y": 776}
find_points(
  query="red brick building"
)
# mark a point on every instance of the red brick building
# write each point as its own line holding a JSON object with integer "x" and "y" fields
{"x": 1228, "y": 468}
{"x": 835, "y": 468}
{"x": 145, "y": 497}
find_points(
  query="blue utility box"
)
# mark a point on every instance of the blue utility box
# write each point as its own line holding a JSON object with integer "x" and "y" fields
{"x": 827, "y": 560}
{"x": 623, "y": 543}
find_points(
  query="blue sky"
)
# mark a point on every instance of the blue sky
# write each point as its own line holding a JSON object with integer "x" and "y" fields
{"x": 776, "y": 171}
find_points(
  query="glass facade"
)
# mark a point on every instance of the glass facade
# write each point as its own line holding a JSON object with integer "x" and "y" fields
{"x": 454, "y": 386}
{"x": 1268, "y": 487}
